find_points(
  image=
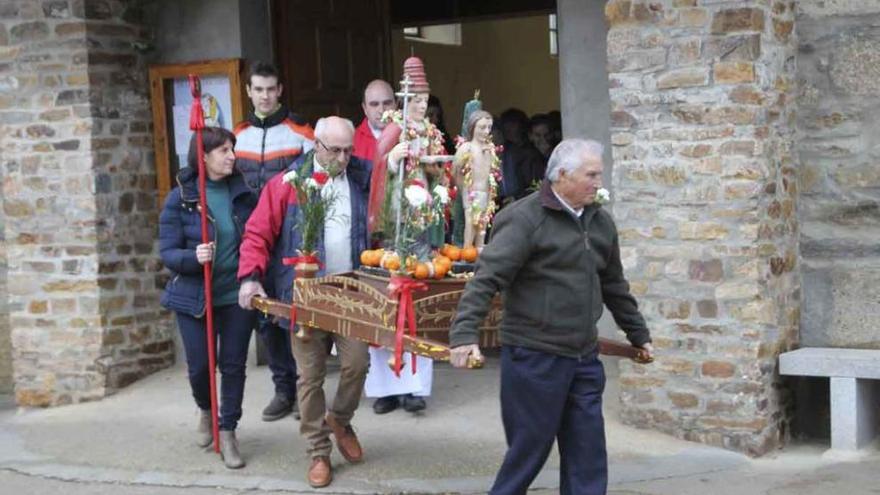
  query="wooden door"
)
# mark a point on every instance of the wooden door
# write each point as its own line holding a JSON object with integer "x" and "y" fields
{"x": 328, "y": 51}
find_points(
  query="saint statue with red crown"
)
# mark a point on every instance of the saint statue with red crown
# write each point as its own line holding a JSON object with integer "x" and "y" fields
{"x": 412, "y": 146}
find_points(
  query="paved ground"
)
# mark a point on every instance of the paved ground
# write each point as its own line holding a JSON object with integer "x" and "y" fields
{"x": 140, "y": 442}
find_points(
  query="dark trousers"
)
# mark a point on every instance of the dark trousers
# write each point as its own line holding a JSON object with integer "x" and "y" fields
{"x": 546, "y": 397}
{"x": 281, "y": 362}
{"x": 232, "y": 328}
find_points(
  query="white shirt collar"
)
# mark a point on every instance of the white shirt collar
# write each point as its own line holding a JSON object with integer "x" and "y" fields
{"x": 376, "y": 132}
{"x": 577, "y": 213}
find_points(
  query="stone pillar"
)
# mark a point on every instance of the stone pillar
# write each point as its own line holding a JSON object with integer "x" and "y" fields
{"x": 584, "y": 80}
{"x": 840, "y": 184}
{"x": 79, "y": 199}
{"x": 706, "y": 189}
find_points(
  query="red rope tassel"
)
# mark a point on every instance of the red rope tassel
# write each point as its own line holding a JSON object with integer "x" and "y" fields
{"x": 402, "y": 288}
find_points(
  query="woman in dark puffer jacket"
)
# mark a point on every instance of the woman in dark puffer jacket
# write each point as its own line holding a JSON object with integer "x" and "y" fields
{"x": 230, "y": 203}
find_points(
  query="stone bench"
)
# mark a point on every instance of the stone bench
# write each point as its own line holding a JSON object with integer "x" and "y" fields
{"x": 855, "y": 390}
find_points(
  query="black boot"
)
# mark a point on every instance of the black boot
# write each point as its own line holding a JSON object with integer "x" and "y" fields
{"x": 385, "y": 405}
{"x": 279, "y": 407}
{"x": 413, "y": 404}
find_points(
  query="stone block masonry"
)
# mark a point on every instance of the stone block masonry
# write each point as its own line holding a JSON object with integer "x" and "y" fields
{"x": 79, "y": 200}
{"x": 705, "y": 186}
{"x": 838, "y": 98}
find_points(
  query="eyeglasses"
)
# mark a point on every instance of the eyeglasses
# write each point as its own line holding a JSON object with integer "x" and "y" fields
{"x": 336, "y": 149}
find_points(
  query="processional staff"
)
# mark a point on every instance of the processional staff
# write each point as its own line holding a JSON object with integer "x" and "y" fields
{"x": 197, "y": 123}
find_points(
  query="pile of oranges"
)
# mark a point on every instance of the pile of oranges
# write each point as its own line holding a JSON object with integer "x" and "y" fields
{"x": 456, "y": 253}
{"x": 389, "y": 260}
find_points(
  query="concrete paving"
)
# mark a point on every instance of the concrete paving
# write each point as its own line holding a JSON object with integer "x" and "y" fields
{"x": 141, "y": 439}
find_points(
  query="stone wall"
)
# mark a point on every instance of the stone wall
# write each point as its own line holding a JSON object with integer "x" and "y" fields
{"x": 839, "y": 149}
{"x": 137, "y": 332}
{"x": 706, "y": 188}
{"x": 5, "y": 341}
{"x": 79, "y": 200}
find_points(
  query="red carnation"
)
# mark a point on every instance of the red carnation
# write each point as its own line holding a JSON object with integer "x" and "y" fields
{"x": 321, "y": 177}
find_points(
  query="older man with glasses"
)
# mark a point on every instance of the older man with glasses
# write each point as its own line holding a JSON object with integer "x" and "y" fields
{"x": 271, "y": 235}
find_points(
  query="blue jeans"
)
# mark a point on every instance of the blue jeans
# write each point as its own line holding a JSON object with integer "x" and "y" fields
{"x": 547, "y": 397}
{"x": 232, "y": 328}
{"x": 281, "y": 362}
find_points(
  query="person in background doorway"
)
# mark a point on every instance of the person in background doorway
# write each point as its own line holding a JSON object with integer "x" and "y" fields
{"x": 434, "y": 114}
{"x": 540, "y": 135}
{"x": 522, "y": 165}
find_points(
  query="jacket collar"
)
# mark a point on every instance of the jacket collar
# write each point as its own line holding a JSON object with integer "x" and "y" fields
{"x": 272, "y": 120}
{"x": 550, "y": 201}
{"x": 188, "y": 180}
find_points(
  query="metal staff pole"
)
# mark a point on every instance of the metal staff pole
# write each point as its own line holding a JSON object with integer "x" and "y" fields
{"x": 405, "y": 94}
{"x": 197, "y": 123}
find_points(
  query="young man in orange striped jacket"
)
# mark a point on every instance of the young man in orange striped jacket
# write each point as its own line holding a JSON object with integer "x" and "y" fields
{"x": 267, "y": 142}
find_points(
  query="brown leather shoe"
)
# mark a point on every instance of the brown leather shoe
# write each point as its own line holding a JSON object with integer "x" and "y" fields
{"x": 320, "y": 472}
{"x": 346, "y": 440}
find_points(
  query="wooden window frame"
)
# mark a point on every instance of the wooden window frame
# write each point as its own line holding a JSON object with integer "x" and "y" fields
{"x": 159, "y": 75}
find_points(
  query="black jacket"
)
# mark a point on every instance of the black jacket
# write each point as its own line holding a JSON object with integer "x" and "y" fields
{"x": 554, "y": 272}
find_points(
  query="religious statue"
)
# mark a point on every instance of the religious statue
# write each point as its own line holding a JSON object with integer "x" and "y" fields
{"x": 476, "y": 169}
{"x": 409, "y": 145}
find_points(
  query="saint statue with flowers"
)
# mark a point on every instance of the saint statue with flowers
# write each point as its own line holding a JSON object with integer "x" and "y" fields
{"x": 406, "y": 213}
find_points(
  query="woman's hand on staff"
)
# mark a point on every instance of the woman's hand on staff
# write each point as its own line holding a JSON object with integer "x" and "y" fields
{"x": 205, "y": 252}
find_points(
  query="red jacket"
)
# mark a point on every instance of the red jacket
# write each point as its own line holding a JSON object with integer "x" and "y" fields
{"x": 364, "y": 142}
{"x": 263, "y": 227}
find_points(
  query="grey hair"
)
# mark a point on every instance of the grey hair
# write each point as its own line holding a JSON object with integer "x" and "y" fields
{"x": 568, "y": 155}
{"x": 321, "y": 125}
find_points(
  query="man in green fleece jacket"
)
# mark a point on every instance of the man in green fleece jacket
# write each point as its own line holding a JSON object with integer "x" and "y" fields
{"x": 555, "y": 257}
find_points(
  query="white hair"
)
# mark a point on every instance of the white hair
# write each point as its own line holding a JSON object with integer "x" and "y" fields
{"x": 321, "y": 125}
{"x": 568, "y": 155}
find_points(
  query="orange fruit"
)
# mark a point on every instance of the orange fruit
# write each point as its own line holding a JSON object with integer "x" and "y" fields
{"x": 366, "y": 257}
{"x": 453, "y": 253}
{"x": 469, "y": 254}
{"x": 376, "y": 257}
{"x": 440, "y": 269}
{"x": 411, "y": 262}
{"x": 390, "y": 261}
{"x": 421, "y": 271}
{"x": 442, "y": 263}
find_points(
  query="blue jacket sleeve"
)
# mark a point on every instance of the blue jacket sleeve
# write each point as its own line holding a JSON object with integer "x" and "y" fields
{"x": 172, "y": 241}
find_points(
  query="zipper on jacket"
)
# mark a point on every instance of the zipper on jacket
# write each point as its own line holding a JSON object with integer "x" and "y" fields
{"x": 262, "y": 164}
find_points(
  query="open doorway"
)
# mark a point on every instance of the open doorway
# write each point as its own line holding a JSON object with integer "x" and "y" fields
{"x": 509, "y": 60}
{"x": 512, "y": 60}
